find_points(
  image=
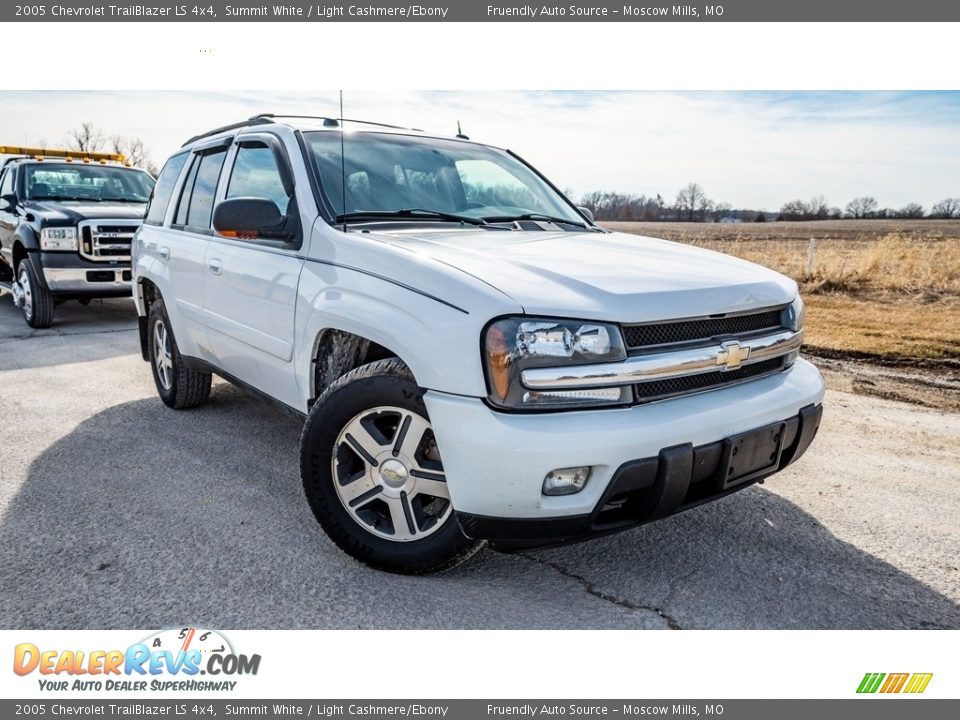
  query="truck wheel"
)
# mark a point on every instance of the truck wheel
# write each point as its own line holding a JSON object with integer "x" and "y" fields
{"x": 178, "y": 386}
{"x": 35, "y": 301}
{"x": 373, "y": 476}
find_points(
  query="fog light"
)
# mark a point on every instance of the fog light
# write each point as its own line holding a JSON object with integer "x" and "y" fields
{"x": 566, "y": 481}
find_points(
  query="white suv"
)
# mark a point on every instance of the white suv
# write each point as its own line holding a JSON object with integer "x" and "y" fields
{"x": 474, "y": 357}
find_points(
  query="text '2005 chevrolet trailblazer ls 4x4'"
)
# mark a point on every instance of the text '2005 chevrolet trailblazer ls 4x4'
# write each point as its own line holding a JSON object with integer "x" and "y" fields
{"x": 475, "y": 358}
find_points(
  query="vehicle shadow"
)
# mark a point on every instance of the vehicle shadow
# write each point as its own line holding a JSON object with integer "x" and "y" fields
{"x": 146, "y": 517}
{"x": 102, "y": 329}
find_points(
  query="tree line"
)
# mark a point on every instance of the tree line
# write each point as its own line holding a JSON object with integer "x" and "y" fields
{"x": 692, "y": 204}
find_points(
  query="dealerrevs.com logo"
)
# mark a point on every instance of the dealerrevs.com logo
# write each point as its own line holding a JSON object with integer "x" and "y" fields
{"x": 167, "y": 660}
{"x": 910, "y": 683}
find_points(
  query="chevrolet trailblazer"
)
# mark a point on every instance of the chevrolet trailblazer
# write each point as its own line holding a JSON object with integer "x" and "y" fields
{"x": 476, "y": 359}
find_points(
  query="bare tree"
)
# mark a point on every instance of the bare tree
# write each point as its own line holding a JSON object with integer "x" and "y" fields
{"x": 135, "y": 151}
{"x": 947, "y": 208}
{"x": 862, "y": 207}
{"x": 690, "y": 199}
{"x": 911, "y": 210}
{"x": 86, "y": 138}
{"x": 818, "y": 208}
{"x": 794, "y": 210}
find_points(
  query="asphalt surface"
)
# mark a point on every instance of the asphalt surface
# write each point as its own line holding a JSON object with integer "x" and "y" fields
{"x": 117, "y": 512}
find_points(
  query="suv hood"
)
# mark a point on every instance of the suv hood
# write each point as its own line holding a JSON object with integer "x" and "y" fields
{"x": 601, "y": 276}
{"x": 75, "y": 211}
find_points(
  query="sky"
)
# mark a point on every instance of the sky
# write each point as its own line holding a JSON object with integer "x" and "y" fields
{"x": 750, "y": 149}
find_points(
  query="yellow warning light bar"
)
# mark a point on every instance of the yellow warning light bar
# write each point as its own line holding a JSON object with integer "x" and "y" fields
{"x": 69, "y": 155}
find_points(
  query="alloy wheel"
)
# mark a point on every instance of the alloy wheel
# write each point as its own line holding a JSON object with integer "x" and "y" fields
{"x": 162, "y": 354}
{"x": 388, "y": 475}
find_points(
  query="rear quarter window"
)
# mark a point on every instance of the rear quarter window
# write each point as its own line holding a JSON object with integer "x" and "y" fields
{"x": 163, "y": 190}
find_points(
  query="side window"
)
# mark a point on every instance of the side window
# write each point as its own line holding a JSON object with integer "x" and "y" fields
{"x": 255, "y": 174}
{"x": 163, "y": 190}
{"x": 180, "y": 220}
{"x": 204, "y": 189}
{"x": 196, "y": 200}
{"x": 6, "y": 185}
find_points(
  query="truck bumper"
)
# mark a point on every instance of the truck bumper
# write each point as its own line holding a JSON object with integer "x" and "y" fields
{"x": 69, "y": 274}
{"x": 647, "y": 461}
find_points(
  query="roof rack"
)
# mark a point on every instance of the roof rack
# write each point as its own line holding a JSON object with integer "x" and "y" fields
{"x": 69, "y": 155}
{"x": 267, "y": 118}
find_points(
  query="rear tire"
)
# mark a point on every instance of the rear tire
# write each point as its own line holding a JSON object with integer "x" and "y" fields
{"x": 178, "y": 386}
{"x": 36, "y": 302}
{"x": 373, "y": 477}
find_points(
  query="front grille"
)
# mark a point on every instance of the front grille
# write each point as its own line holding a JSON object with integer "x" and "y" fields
{"x": 107, "y": 240}
{"x": 687, "y": 331}
{"x": 659, "y": 389}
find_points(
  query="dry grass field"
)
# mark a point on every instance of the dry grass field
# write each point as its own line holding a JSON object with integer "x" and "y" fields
{"x": 880, "y": 290}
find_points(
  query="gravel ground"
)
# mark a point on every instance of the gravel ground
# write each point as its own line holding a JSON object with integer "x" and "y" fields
{"x": 116, "y": 512}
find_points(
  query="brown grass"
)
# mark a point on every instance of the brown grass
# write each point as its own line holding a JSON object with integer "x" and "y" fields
{"x": 886, "y": 288}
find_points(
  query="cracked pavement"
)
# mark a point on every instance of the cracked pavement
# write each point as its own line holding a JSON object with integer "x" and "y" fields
{"x": 118, "y": 512}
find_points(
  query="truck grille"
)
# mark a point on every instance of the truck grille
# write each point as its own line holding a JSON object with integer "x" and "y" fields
{"x": 107, "y": 240}
{"x": 671, "y": 387}
{"x": 700, "y": 329}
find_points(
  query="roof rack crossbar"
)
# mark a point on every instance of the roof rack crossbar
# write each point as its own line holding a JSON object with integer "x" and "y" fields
{"x": 267, "y": 118}
{"x": 255, "y": 120}
{"x": 336, "y": 119}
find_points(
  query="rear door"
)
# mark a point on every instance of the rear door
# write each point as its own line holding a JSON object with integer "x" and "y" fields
{"x": 183, "y": 248}
{"x": 250, "y": 286}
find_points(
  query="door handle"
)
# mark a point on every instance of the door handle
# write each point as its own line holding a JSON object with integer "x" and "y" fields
{"x": 164, "y": 252}
{"x": 215, "y": 266}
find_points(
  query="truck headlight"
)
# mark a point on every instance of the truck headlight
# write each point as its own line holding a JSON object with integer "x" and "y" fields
{"x": 514, "y": 344}
{"x": 58, "y": 238}
{"x": 796, "y": 314}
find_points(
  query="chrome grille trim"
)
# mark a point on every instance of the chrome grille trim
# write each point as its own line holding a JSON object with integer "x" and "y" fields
{"x": 659, "y": 366}
{"x": 107, "y": 240}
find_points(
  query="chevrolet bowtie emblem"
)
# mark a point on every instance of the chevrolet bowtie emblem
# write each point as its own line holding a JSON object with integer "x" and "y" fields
{"x": 732, "y": 354}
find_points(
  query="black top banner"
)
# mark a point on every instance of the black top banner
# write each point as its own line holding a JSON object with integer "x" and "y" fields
{"x": 485, "y": 11}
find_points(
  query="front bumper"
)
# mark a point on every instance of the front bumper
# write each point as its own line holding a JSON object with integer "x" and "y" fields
{"x": 69, "y": 274}
{"x": 495, "y": 462}
{"x": 644, "y": 490}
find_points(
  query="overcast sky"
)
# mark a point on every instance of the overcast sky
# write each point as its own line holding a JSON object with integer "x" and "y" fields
{"x": 751, "y": 149}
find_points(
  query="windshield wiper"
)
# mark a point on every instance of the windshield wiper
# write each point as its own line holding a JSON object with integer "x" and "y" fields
{"x": 65, "y": 198}
{"x": 535, "y": 216}
{"x": 414, "y": 213}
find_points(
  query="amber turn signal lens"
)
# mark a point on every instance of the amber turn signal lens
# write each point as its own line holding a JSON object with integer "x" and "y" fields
{"x": 498, "y": 360}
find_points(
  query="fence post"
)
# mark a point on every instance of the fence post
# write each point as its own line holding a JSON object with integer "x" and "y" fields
{"x": 811, "y": 253}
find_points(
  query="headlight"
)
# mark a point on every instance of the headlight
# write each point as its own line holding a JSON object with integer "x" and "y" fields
{"x": 796, "y": 314}
{"x": 58, "y": 238}
{"x": 512, "y": 345}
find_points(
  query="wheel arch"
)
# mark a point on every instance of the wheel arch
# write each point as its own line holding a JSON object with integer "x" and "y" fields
{"x": 336, "y": 352}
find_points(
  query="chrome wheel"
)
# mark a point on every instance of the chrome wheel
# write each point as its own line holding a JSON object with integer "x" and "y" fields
{"x": 23, "y": 293}
{"x": 388, "y": 474}
{"x": 162, "y": 354}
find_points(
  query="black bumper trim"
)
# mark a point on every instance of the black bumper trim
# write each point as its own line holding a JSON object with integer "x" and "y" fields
{"x": 648, "y": 489}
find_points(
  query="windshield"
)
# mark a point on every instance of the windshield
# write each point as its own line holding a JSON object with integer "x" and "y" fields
{"x": 390, "y": 173}
{"x": 97, "y": 183}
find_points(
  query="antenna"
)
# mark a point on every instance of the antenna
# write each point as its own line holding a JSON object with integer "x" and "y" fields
{"x": 343, "y": 167}
{"x": 460, "y": 132}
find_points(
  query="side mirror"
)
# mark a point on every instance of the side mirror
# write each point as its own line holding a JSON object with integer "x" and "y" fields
{"x": 586, "y": 212}
{"x": 250, "y": 217}
{"x": 9, "y": 200}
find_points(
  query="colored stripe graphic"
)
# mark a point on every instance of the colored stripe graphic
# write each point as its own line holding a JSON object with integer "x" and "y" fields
{"x": 894, "y": 683}
{"x": 870, "y": 682}
{"x": 918, "y": 682}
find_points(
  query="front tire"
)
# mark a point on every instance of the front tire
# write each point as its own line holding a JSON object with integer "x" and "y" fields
{"x": 35, "y": 301}
{"x": 178, "y": 386}
{"x": 373, "y": 476}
